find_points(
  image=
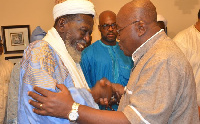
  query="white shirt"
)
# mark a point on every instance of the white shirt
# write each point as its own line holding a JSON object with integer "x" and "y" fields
{"x": 188, "y": 41}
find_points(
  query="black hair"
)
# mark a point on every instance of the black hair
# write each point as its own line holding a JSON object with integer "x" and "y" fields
{"x": 69, "y": 17}
{"x": 199, "y": 14}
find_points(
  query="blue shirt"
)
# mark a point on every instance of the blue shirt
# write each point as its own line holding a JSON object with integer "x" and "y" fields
{"x": 99, "y": 60}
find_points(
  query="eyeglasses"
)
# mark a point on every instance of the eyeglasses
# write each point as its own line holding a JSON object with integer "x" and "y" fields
{"x": 118, "y": 31}
{"x": 107, "y": 26}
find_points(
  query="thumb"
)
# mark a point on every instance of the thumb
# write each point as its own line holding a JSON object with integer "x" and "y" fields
{"x": 105, "y": 82}
{"x": 102, "y": 82}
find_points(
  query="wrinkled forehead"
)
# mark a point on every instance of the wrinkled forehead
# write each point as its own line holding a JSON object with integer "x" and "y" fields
{"x": 85, "y": 18}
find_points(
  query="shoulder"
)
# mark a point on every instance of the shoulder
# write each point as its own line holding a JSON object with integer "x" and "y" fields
{"x": 38, "y": 51}
{"x": 167, "y": 47}
{"x": 39, "y": 44}
{"x": 167, "y": 51}
{"x": 38, "y": 47}
{"x": 184, "y": 33}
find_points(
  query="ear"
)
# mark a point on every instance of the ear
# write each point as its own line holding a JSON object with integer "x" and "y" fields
{"x": 141, "y": 29}
{"x": 61, "y": 25}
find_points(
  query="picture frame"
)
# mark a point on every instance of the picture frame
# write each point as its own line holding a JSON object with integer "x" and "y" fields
{"x": 14, "y": 59}
{"x": 15, "y": 38}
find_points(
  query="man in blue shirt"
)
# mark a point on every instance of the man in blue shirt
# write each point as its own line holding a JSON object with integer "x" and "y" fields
{"x": 104, "y": 57}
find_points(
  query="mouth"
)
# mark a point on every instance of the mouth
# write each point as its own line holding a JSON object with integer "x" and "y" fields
{"x": 80, "y": 46}
{"x": 111, "y": 35}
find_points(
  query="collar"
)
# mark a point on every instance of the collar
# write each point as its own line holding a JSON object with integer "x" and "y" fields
{"x": 140, "y": 51}
{"x": 108, "y": 45}
{"x": 193, "y": 26}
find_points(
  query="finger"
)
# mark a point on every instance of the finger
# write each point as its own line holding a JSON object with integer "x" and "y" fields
{"x": 105, "y": 82}
{"x": 108, "y": 83}
{"x": 36, "y": 96}
{"x": 36, "y": 104}
{"x": 40, "y": 112}
{"x": 42, "y": 91}
{"x": 62, "y": 87}
{"x": 102, "y": 102}
{"x": 105, "y": 101}
{"x": 102, "y": 82}
{"x": 118, "y": 95}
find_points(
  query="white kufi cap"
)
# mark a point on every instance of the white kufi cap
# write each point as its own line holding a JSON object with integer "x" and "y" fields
{"x": 161, "y": 18}
{"x": 73, "y": 7}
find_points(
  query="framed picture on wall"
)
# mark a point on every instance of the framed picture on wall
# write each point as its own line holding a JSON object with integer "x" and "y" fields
{"x": 15, "y": 38}
{"x": 14, "y": 59}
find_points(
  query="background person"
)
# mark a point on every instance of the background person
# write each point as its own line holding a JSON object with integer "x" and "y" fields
{"x": 188, "y": 41}
{"x": 104, "y": 58}
{"x": 5, "y": 71}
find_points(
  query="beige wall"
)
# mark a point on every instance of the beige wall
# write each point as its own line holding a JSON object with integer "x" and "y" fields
{"x": 179, "y": 13}
{"x": 27, "y": 12}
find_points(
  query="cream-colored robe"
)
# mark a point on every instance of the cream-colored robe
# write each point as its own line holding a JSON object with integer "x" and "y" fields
{"x": 5, "y": 71}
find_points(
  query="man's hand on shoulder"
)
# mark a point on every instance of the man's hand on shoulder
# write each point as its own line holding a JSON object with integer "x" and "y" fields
{"x": 50, "y": 103}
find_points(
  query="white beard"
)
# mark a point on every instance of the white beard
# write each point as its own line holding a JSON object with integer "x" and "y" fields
{"x": 74, "y": 53}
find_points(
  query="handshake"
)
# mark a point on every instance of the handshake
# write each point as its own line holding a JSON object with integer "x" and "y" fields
{"x": 107, "y": 93}
{"x": 53, "y": 104}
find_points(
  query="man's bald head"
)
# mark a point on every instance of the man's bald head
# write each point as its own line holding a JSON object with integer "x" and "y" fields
{"x": 106, "y": 14}
{"x": 142, "y": 10}
{"x": 137, "y": 22}
{"x": 108, "y": 27}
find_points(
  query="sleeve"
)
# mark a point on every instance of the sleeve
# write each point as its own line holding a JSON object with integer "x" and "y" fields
{"x": 38, "y": 69}
{"x": 40, "y": 65}
{"x": 12, "y": 101}
{"x": 86, "y": 68}
{"x": 153, "y": 96}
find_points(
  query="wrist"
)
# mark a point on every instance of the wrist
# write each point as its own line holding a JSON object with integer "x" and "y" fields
{"x": 73, "y": 114}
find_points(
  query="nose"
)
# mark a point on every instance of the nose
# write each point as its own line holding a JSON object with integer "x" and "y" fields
{"x": 110, "y": 28}
{"x": 87, "y": 39}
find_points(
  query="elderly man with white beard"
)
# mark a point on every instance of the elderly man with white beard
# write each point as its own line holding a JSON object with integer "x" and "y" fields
{"x": 54, "y": 60}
